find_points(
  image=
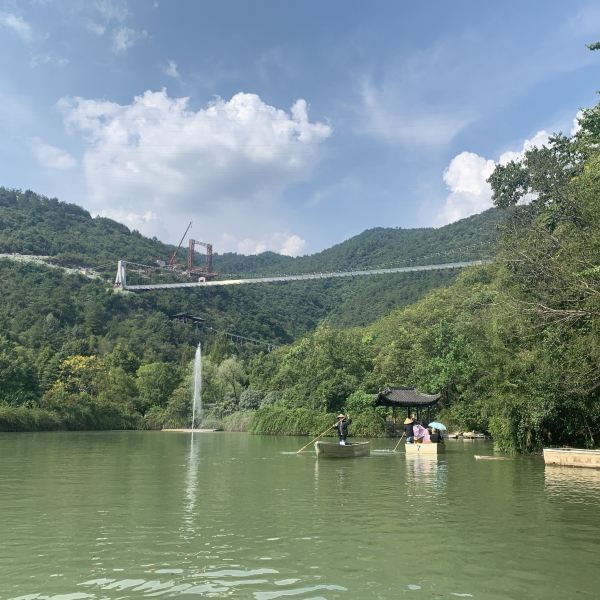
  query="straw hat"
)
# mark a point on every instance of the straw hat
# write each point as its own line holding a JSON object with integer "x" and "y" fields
{"x": 341, "y": 416}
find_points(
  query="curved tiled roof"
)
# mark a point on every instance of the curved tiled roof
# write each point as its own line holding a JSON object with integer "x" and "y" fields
{"x": 400, "y": 396}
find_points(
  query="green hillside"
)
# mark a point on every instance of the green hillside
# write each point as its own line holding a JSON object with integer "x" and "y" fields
{"x": 73, "y": 354}
{"x": 34, "y": 225}
{"x": 467, "y": 239}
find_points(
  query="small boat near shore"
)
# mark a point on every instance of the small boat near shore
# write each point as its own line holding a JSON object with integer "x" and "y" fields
{"x": 572, "y": 457}
{"x": 182, "y": 430}
{"x": 466, "y": 435}
{"x": 424, "y": 448}
{"x": 335, "y": 450}
{"x": 473, "y": 435}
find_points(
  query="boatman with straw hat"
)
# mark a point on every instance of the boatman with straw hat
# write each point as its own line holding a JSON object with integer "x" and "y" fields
{"x": 342, "y": 427}
{"x": 408, "y": 428}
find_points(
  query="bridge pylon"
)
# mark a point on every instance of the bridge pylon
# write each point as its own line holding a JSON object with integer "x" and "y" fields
{"x": 121, "y": 278}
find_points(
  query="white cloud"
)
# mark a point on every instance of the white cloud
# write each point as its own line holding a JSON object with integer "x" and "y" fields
{"x": 575, "y": 126}
{"x": 38, "y": 60}
{"x": 51, "y": 157}
{"x": 100, "y": 16}
{"x": 469, "y": 191}
{"x": 389, "y": 116}
{"x": 466, "y": 178}
{"x": 112, "y": 10}
{"x": 133, "y": 220}
{"x": 292, "y": 245}
{"x": 226, "y": 163}
{"x": 537, "y": 141}
{"x": 282, "y": 243}
{"x": 17, "y": 24}
{"x": 124, "y": 38}
{"x": 95, "y": 27}
{"x": 170, "y": 69}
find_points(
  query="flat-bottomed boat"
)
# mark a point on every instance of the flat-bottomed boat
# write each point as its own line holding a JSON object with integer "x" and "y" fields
{"x": 424, "y": 448}
{"x": 335, "y": 450}
{"x": 572, "y": 457}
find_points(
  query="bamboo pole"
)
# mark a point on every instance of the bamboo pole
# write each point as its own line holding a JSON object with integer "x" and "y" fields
{"x": 396, "y": 446}
{"x": 320, "y": 435}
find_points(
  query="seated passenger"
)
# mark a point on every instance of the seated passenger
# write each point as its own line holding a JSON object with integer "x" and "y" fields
{"x": 420, "y": 433}
{"x": 436, "y": 436}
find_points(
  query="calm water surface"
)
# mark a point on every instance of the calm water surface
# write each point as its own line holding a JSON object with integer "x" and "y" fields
{"x": 147, "y": 514}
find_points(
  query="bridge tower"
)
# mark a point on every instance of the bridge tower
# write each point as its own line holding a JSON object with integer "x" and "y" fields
{"x": 121, "y": 278}
{"x": 207, "y": 270}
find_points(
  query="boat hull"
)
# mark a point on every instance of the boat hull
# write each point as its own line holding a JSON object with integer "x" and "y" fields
{"x": 334, "y": 450}
{"x": 572, "y": 457}
{"x": 425, "y": 448}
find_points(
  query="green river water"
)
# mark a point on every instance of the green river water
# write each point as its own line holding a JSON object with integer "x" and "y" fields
{"x": 118, "y": 515}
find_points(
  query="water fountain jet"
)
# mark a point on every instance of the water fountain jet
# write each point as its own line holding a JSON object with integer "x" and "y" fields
{"x": 197, "y": 400}
{"x": 197, "y": 397}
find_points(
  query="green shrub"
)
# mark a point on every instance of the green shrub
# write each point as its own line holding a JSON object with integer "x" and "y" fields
{"x": 359, "y": 402}
{"x": 23, "y": 418}
{"x": 271, "y": 398}
{"x": 237, "y": 421}
{"x": 211, "y": 421}
{"x": 250, "y": 399}
{"x": 368, "y": 424}
{"x": 278, "y": 420}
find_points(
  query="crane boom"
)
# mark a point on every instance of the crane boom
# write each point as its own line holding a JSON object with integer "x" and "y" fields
{"x": 172, "y": 258}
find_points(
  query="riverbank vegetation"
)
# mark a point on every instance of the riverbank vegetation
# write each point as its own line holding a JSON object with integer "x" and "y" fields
{"x": 513, "y": 347}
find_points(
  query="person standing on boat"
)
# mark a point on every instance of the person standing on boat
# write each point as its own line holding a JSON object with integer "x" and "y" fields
{"x": 342, "y": 427}
{"x": 408, "y": 429}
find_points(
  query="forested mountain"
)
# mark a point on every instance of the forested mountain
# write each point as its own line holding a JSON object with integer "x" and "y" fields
{"x": 61, "y": 331}
{"x": 467, "y": 239}
{"x": 512, "y": 346}
{"x": 34, "y": 224}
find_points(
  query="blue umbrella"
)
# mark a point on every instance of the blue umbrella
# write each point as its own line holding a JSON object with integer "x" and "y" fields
{"x": 437, "y": 425}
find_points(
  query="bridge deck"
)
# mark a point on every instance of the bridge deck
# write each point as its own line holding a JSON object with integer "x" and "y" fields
{"x": 305, "y": 277}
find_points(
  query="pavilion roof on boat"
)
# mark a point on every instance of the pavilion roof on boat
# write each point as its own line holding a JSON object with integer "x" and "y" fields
{"x": 397, "y": 397}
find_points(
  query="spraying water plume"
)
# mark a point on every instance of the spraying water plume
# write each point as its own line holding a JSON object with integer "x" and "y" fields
{"x": 197, "y": 401}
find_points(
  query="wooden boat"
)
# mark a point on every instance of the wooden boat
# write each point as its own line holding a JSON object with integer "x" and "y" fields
{"x": 181, "y": 430}
{"x": 334, "y": 450}
{"x": 572, "y": 457}
{"x": 473, "y": 435}
{"x": 424, "y": 448}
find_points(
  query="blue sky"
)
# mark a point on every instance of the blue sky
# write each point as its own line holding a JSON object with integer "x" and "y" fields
{"x": 285, "y": 126}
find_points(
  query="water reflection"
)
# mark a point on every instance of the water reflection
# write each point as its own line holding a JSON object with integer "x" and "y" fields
{"x": 191, "y": 484}
{"x": 575, "y": 484}
{"x": 335, "y": 469}
{"x": 425, "y": 476}
{"x": 213, "y": 583}
{"x": 180, "y": 520}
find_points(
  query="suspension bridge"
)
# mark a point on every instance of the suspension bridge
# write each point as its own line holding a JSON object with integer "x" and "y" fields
{"x": 121, "y": 278}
